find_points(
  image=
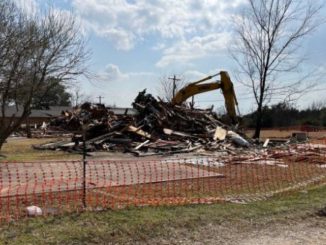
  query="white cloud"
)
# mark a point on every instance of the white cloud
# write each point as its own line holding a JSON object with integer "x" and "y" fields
{"x": 125, "y": 23}
{"x": 121, "y": 88}
{"x": 122, "y": 40}
{"x": 112, "y": 73}
{"x": 197, "y": 47}
{"x": 192, "y": 75}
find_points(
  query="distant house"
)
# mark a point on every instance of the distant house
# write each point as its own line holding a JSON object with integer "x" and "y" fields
{"x": 36, "y": 116}
{"x": 122, "y": 110}
{"x": 40, "y": 116}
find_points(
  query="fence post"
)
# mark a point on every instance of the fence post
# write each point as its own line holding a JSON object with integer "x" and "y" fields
{"x": 84, "y": 127}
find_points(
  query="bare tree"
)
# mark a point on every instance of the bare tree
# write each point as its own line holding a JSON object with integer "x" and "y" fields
{"x": 317, "y": 105}
{"x": 269, "y": 34}
{"x": 32, "y": 49}
{"x": 168, "y": 87}
{"x": 78, "y": 97}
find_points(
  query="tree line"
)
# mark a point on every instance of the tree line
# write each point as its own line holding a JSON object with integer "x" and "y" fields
{"x": 286, "y": 115}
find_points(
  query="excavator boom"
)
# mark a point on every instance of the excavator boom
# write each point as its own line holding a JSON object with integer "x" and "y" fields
{"x": 224, "y": 84}
{"x": 192, "y": 89}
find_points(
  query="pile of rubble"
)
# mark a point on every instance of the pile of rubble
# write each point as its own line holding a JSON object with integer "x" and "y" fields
{"x": 157, "y": 128}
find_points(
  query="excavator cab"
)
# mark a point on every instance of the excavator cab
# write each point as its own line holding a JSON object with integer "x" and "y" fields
{"x": 197, "y": 87}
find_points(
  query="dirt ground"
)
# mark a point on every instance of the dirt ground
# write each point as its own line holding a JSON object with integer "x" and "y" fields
{"x": 275, "y": 133}
{"x": 309, "y": 230}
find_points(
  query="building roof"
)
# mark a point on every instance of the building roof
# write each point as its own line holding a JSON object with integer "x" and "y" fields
{"x": 122, "y": 110}
{"x": 53, "y": 111}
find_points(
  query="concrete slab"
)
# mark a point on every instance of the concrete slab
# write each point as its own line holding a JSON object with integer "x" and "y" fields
{"x": 36, "y": 177}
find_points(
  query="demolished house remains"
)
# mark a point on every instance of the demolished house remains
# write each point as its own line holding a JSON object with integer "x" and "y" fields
{"x": 161, "y": 128}
{"x": 158, "y": 128}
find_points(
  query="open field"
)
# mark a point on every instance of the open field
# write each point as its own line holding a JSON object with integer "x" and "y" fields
{"x": 20, "y": 149}
{"x": 58, "y": 185}
{"x": 276, "y": 133}
{"x": 288, "y": 217}
{"x": 284, "y": 220}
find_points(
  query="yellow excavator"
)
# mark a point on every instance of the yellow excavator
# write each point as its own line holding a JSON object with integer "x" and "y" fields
{"x": 225, "y": 84}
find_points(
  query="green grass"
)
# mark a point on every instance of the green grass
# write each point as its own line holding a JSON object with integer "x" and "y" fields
{"x": 142, "y": 224}
{"x": 21, "y": 150}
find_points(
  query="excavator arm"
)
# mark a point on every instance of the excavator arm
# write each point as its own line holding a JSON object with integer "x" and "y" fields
{"x": 224, "y": 84}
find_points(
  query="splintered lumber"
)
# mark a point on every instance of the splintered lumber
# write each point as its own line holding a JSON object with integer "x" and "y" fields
{"x": 141, "y": 145}
{"x": 50, "y": 146}
{"x": 139, "y": 131}
{"x": 266, "y": 143}
{"x": 99, "y": 139}
{"x": 157, "y": 128}
{"x": 187, "y": 150}
{"x": 172, "y": 132}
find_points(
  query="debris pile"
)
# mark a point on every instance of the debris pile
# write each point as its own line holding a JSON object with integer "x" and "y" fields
{"x": 158, "y": 128}
{"x": 279, "y": 156}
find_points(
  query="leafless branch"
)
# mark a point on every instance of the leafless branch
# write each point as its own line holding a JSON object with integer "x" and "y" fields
{"x": 165, "y": 89}
{"x": 32, "y": 49}
{"x": 269, "y": 35}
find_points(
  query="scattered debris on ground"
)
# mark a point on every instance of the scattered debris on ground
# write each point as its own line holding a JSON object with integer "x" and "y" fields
{"x": 33, "y": 211}
{"x": 160, "y": 128}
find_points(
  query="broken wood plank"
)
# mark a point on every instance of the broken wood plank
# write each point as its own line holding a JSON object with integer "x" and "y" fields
{"x": 173, "y": 132}
{"x": 139, "y": 131}
{"x": 141, "y": 145}
{"x": 266, "y": 143}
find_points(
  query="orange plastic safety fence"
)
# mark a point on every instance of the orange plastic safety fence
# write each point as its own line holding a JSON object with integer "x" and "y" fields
{"x": 56, "y": 187}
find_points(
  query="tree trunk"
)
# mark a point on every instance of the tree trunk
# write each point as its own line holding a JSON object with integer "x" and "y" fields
{"x": 3, "y": 138}
{"x": 28, "y": 129}
{"x": 2, "y": 141}
{"x": 258, "y": 122}
{"x": 11, "y": 126}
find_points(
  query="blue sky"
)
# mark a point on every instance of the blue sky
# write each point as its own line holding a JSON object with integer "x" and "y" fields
{"x": 135, "y": 43}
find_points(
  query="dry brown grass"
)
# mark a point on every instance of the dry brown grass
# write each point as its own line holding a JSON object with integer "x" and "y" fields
{"x": 200, "y": 224}
{"x": 20, "y": 149}
{"x": 275, "y": 133}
